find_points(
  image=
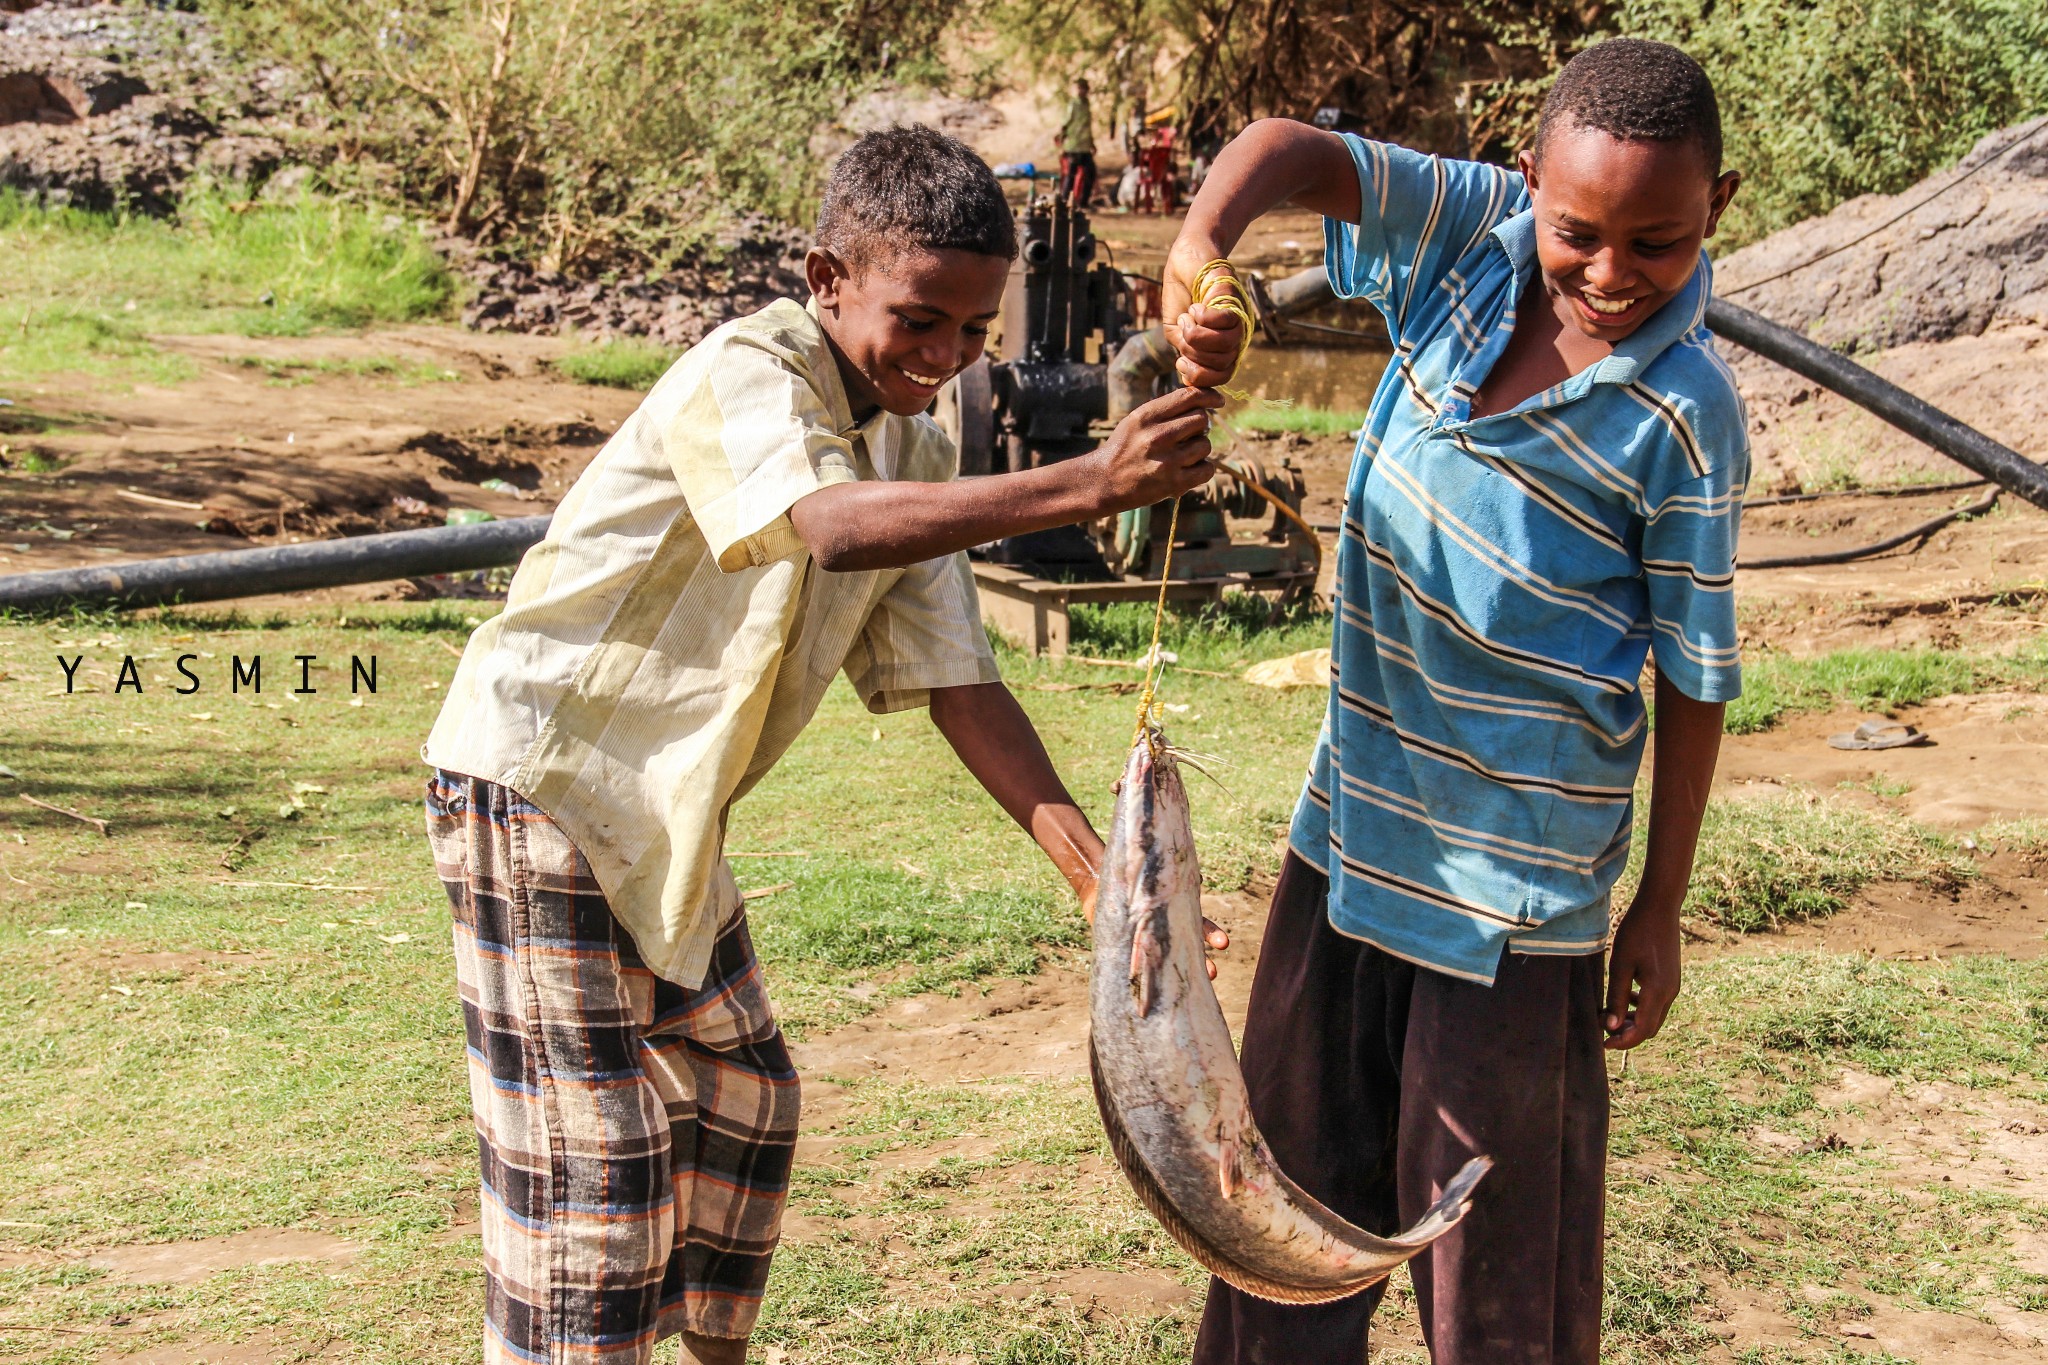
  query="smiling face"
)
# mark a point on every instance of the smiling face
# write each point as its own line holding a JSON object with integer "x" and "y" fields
{"x": 903, "y": 326}
{"x": 1619, "y": 224}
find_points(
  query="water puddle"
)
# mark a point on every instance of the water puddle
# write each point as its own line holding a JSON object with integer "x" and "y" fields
{"x": 1338, "y": 378}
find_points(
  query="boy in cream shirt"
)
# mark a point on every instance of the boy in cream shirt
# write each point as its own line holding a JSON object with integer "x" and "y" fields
{"x": 778, "y": 510}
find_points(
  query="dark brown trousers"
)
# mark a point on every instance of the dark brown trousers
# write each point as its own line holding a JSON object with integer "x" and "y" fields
{"x": 1373, "y": 1081}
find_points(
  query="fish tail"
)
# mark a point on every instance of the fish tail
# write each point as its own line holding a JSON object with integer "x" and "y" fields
{"x": 1153, "y": 1197}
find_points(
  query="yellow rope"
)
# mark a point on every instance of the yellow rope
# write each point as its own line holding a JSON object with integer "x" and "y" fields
{"x": 1153, "y": 662}
{"x": 1215, "y": 285}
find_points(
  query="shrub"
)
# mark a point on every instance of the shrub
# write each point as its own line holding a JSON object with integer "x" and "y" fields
{"x": 1828, "y": 99}
{"x": 586, "y": 128}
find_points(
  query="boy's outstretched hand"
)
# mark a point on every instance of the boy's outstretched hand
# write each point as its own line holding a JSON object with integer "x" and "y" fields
{"x": 1214, "y": 936}
{"x": 1159, "y": 451}
{"x": 995, "y": 741}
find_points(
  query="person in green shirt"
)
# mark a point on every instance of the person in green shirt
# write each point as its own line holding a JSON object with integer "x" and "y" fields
{"x": 1077, "y": 149}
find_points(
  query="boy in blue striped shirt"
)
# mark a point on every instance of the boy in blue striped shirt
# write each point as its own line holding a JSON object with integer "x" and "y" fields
{"x": 1545, "y": 497}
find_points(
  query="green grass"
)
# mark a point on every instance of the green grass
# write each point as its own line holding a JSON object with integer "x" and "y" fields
{"x": 1694, "y": 1195}
{"x": 34, "y": 461}
{"x": 183, "y": 1057}
{"x": 1228, "y": 635}
{"x": 87, "y": 290}
{"x": 1768, "y": 861}
{"x": 621, "y": 363}
{"x": 1267, "y": 415}
{"x": 1775, "y": 685}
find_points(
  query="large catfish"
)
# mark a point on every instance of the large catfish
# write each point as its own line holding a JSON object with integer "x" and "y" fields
{"x": 1168, "y": 1084}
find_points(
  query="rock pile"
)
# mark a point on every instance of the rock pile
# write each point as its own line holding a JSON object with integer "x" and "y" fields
{"x": 103, "y": 106}
{"x": 746, "y": 269}
{"x": 1976, "y": 254}
{"x": 1949, "y": 302}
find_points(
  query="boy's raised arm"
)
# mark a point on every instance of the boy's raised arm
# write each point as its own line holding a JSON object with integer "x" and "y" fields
{"x": 1273, "y": 162}
{"x": 1160, "y": 451}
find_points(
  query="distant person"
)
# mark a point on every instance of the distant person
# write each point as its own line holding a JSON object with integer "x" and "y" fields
{"x": 777, "y": 511}
{"x": 1077, "y": 149}
{"x": 1546, "y": 498}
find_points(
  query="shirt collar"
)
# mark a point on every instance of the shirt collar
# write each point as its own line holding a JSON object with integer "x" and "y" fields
{"x": 1633, "y": 354}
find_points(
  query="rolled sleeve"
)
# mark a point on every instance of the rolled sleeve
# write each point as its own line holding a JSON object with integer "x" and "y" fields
{"x": 754, "y": 438}
{"x": 925, "y": 633}
{"x": 1688, "y": 559}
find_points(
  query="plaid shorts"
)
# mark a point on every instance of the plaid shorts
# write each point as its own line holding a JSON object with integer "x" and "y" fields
{"x": 635, "y": 1137}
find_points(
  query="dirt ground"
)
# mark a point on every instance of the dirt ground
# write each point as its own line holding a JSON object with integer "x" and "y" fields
{"x": 236, "y": 457}
{"x": 239, "y": 457}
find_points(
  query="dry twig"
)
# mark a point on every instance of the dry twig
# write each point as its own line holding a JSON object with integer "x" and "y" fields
{"x": 1126, "y": 663}
{"x": 99, "y": 825}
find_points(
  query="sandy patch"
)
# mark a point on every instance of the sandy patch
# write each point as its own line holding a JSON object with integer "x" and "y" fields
{"x": 1936, "y": 1132}
{"x": 1981, "y": 766}
{"x": 191, "y": 1262}
{"x": 1121, "y": 1292}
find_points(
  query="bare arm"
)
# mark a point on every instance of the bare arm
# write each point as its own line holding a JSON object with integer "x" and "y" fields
{"x": 996, "y": 742}
{"x": 1273, "y": 162}
{"x": 1643, "y": 968}
{"x": 1159, "y": 451}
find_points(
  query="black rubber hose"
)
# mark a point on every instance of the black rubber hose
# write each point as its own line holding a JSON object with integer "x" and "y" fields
{"x": 1904, "y": 490}
{"x": 1919, "y": 419}
{"x": 285, "y": 568}
{"x": 1911, "y": 537}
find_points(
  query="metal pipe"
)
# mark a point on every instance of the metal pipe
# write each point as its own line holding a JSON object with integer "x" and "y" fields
{"x": 1918, "y": 418}
{"x": 1140, "y": 363}
{"x": 284, "y": 568}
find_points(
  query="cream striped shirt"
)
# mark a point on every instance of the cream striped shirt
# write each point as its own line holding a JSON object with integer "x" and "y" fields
{"x": 667, "y": 641}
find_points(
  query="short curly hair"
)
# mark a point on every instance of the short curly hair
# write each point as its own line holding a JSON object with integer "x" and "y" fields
{"x": 1638, "y": 91}
{"x": 912, "y": 187}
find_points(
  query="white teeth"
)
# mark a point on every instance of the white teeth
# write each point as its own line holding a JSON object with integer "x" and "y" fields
{"x": 1609, "y": 306}
{"x": 924, "y": 379}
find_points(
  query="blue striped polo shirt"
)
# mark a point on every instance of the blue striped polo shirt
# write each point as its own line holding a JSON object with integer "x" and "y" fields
{"x": 1500, "y": 582}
